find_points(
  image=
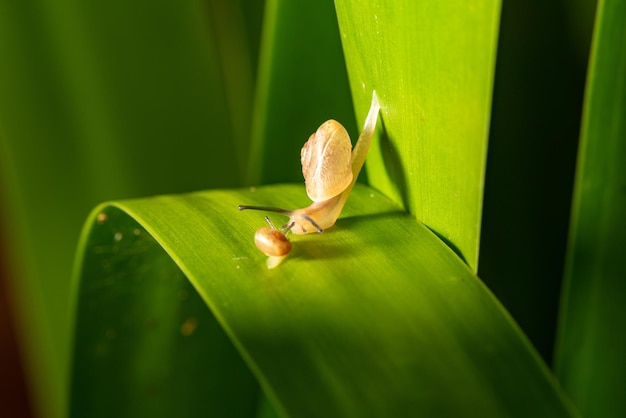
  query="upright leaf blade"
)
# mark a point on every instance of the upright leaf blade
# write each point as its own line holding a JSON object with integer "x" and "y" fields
{"x": 432, "y": 66}
{"x": 302, "y": 82}
{"x": 592, "y": 343}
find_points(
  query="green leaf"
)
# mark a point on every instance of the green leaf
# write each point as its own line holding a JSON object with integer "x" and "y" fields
{"x": 592, "y": 343}
{"x": 227, "y": 21}
{"x": 302, "y": 82}
{"x": 376, "y": 317}
{"x": 432, "y": 65}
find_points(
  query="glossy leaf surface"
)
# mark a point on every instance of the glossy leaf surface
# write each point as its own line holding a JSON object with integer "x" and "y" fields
{"x": 374, "y": 317}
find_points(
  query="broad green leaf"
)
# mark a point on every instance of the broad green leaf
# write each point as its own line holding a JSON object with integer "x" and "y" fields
{"x": 302, "y": 82}
{"x": 432, "y": 65}
{"x": 592, "y": 343}
{"x": 376, "y": 317}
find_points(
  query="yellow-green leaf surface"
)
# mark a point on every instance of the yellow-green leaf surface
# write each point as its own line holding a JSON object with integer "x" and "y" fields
{"x": 432, "y": 65}
{"x": 376, "y": 317}
{"x": 592, "y": 343}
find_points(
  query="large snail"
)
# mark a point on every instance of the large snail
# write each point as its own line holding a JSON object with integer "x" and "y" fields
{"x": 330, "y": 167}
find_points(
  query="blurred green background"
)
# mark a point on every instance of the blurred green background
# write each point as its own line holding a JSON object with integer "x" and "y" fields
{"x": 112, "y": 100}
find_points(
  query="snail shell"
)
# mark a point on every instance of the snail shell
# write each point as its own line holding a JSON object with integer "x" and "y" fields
{"x": 272, "y": 242}
{"x": 326, "y": 161}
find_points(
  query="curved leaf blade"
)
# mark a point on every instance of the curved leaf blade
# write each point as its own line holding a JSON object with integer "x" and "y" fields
{"x": 142, "y": 330}
{"x": 376, "y": 317}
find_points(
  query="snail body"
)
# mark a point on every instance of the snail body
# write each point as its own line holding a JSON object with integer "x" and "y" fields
{"x": 330, "y": 168}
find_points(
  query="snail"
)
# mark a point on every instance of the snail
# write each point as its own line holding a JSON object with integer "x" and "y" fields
{"x": 273, "y": 242}
{"x": 330, "y": 168}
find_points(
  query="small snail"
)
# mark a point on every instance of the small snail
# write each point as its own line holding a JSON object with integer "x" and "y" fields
{"x": 273, "y": 242}
{"x": 330, "y": 167}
